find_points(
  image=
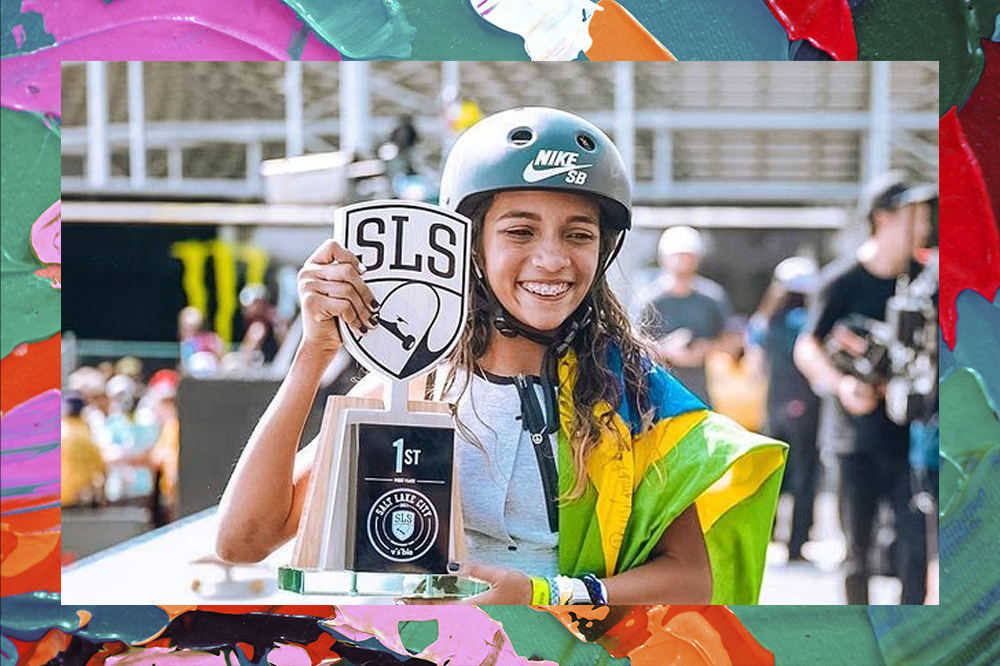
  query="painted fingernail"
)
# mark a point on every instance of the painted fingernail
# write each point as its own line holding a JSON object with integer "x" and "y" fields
{"x": 375, "y": 305}
{"x": 453, "y": 567}
{"x": 373, "y": 320}
{"x": 363, "y": 330}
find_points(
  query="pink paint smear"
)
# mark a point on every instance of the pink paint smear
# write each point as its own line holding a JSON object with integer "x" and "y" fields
{"x": 461, "y": 631}
{"x": 164, "y": 30}
{"x": 29, "y": 441}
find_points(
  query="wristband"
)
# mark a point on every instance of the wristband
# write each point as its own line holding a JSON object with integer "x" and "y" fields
{"x": 553, "y": 590}
{"x": 596, "y": 589}
{"x": 579, "y": 594}
{"x": 565, "y": 589}
{"x": 540, "y": 592}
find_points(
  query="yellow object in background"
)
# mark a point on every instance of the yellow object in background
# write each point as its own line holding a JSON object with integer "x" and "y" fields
{"x": 618, "y": 35}
{"x": 82, "y": 463}
{"x": 736, "y": 390}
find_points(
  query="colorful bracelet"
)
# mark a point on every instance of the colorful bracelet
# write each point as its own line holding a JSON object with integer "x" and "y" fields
{"x": 540, "y": 592}
{"x": 596, "y": 589}
{"x": 553, "y": 590}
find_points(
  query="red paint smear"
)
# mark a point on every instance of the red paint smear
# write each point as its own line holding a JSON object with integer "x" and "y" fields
{"x": 980, "y": 118}
{"x": 825, "y": 23}
{"x": 970, "y": 244}
{"x": 26, "y": 376}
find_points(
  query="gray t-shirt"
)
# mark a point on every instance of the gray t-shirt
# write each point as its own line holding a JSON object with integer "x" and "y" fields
{"x": 704, "y": 312}
{"x": 503, "y": 499}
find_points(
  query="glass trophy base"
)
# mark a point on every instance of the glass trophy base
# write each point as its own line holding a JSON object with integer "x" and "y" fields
{"x": 361, "y": 584}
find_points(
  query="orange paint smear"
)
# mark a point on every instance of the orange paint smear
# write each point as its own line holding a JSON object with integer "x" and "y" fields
{"x": 37, "y": 653}
{"x": 29, "y": 547}
{"x": 677, "y": 635}
{"x": 618, "y": 35}
{"x": 30, "y": 374}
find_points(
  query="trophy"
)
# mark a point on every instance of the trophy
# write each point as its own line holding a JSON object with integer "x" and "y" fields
{"x": 382, "y": 515}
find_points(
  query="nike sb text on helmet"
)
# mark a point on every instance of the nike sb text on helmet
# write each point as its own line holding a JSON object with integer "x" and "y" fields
{"x": 537, "y": 148}
{"x": 549, "y": 163}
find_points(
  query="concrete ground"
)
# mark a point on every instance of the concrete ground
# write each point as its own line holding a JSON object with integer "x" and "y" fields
{"x": 819, "y": 580}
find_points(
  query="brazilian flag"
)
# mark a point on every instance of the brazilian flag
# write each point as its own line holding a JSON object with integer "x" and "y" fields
{"x": 690, "y": 455}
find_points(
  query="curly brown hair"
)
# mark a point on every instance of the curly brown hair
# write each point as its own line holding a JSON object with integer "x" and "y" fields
{"x": 595, "y": 383}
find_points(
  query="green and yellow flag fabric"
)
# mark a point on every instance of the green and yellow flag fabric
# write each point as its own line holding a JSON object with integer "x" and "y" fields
{"x": 691, "y": 455}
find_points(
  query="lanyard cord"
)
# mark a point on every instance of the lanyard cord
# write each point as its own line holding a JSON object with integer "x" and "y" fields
{"x": 539, "y": 428}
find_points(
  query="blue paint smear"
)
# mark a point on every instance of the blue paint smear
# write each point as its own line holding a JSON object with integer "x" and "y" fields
{"x": 977, "y": 336}
{"x": 27, "y": 617}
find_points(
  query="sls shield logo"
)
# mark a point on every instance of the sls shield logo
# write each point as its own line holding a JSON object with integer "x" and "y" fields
{"x": 416, "y": 258}
{"x": 402, "y": 525}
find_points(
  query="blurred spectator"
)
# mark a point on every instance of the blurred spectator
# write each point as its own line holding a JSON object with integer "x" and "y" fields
{"x": 90, "y": 384}
{"x": 262, "y": 336}
{"x": 201, "y": 350}
{"x": 686, "y": 313}
{"x": 874, "y": 465}
{"x": 129, "y": 443}
{"x": 129, "y": 366}
{"x": 83, "y": 465}
{"x": 404, "y": 137}
{"x": 792, "y": 407}
{"x": 161, "y": 401}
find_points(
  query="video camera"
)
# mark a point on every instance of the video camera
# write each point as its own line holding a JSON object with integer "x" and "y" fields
{"x": 900, "y": 353}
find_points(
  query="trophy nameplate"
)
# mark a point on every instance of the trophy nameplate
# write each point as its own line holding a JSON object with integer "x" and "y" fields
{"x": 382, "y": 514}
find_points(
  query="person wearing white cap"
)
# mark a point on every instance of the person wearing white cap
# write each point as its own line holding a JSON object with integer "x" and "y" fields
{"x": 873, "y": 462}
{"x": 687, "y": 312}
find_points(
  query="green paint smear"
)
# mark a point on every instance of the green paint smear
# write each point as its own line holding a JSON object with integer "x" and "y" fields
{"x": 416, "y": 636}
{"x": 797, "y": 635}
{"x": 29, "y": 184}
{"x": 362, "y": 29}
{"x": 969, "y": 429}
{"x": 691, "y": 29}
{"x": 35, "y": 36}
{"x": 964, "y": 630}
{"x": 943, "y": 30}
{"x": 539, "y": 635}
{"x": 987, "y": 17}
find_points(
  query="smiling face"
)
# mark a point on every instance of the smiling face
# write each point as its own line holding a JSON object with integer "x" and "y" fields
{"x": 540, "y": 251}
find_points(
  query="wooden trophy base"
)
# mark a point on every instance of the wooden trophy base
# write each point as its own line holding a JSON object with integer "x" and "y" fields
{"x": 333, "y": 530}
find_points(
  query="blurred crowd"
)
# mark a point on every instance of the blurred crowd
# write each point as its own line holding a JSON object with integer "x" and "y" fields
{"x": 120, "y": 438}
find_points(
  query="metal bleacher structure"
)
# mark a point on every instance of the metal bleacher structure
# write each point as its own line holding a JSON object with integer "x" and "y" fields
{"x": 752, "y": 133}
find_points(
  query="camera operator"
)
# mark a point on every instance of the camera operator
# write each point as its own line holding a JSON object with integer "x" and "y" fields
{"x": 874, "y": 462}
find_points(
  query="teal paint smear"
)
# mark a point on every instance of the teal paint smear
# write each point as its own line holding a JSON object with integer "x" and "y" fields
{"x": 35, "y": 36}
{"x": 943, "y": 30}
{"x": 416, "y": 635}
{"x": 813, "y": 635}
{"x": 452, "y": 30}
{"x": 977, "y": 339}
{"x": 996, "y": 30}
{"x": 717, "y": 30}
{"x": 360, "y": 29}
{"x": 540, "y": 635}
{"x": 691, "y": 29}
{"x": 29, "y": 184}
